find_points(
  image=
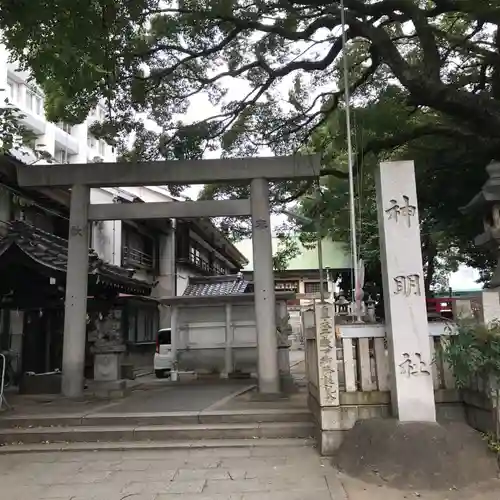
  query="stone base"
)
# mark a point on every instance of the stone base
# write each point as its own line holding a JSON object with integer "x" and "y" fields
{"x": 332, "y": 422}
{"x": 329, "y": 441}
{"x": 262, "y": 396}
{"x": 115, "y": 389}
{"x": 107, "y": 365}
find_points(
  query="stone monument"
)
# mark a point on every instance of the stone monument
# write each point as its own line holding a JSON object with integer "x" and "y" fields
{"x": 412, "y": 392}
{"x": 108, "y": 350}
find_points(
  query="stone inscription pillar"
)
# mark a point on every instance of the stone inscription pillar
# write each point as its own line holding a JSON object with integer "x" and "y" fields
{"x": 326, "y": 348}
{"x": 412, "y": 392}
{"x": 75, "y": 308}
{"x": 265, "y": 301}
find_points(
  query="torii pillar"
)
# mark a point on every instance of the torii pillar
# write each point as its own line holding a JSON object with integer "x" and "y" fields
{"x": 265, "y": 299}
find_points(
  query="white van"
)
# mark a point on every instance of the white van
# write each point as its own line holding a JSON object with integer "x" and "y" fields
{"x": 164, "y": 359}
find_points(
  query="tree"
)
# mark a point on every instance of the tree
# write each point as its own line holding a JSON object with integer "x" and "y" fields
{"x": 146, "y": 58}
{"x": 150, "y": 56}
{"x": 447, "y": 178}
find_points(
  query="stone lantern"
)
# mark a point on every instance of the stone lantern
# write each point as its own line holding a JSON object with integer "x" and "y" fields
{"x": 487, "y": 203}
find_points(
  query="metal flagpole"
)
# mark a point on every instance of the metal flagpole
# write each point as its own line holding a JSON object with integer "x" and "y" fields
{"x": 354, "y": 241}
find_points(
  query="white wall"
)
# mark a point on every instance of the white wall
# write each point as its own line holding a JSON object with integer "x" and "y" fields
{"x": 183, "y": 274}
{"x": 106, "y": 235}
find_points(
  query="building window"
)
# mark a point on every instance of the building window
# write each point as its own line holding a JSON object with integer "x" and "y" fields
{"x": 287, "y": 286}
{"x": 38, "y": 105}
{"x": 142, "y": 324}
{"x": 313, "y": 287}
{"x": 199, "y": 256}
{"x": 219, "y": 268}
{"x": 33, "y": 102}
{"x": 138, "y": 249}
{"x": 66, "y": 127}
{"x": 13, "y": 90}
{"x": 102, "y": 148}
{"x": 61, "y": 156}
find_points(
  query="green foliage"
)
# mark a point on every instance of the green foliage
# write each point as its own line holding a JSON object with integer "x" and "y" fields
{"x": 492, "y": 441}
{"x": 288, "y": 249}
{"x": 428, "y": 92}
{"x": 146, "y": 58}
{"x": 447, "y": 235}
{"x": 14, "y": 136}
{"x": 474, "y": 352}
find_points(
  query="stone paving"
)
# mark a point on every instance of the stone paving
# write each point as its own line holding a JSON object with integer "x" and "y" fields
{"x": 252, "y": 473}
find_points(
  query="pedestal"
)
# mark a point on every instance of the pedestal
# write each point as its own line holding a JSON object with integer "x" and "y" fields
{"x": 412, "y": 392}
{"x": 107, "y": 366}
{"x": 107, "y": 372}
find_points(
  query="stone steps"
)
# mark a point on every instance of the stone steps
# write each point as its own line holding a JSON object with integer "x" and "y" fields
{"x": 154, "y": 445}
{"x": 174, "y": 429}
{"x": 147, "y": 419}
{"x": 191, "y": 432}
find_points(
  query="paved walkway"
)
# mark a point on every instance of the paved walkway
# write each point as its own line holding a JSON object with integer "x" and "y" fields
{"x": 257, "y": 473}
{"x": 150, "y": 396}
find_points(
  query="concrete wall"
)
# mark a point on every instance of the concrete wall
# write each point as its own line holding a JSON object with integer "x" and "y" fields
{"x": 201, "y": 337}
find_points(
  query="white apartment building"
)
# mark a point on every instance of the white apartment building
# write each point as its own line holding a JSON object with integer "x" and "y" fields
{"x": 65, "y": 143}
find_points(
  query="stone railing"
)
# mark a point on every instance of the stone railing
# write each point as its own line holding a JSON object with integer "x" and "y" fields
{"x": 359, "y": 388}
{"x": 363, "y": 362}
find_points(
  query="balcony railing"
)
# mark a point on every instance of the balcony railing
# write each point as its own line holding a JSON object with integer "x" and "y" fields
{"x": 134, "y": 258}
{"x": 200, "y": 263}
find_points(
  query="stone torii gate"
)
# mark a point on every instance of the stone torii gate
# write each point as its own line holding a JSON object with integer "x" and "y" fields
{"x": 81, "y": 177}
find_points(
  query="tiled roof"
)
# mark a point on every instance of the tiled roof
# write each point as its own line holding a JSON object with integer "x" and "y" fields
{"x": 216, "y": 285}
{"x": 50, "y": 251}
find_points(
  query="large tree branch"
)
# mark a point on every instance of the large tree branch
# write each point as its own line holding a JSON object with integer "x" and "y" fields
{"x": 389, "y": 143}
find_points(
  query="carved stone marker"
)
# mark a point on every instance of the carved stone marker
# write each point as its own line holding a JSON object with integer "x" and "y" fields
{"x": 412, "y": 392}
{"x": 327, "y": 356}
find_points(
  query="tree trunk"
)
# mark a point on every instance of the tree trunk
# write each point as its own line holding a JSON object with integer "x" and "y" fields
{"x": 429, "y": 250}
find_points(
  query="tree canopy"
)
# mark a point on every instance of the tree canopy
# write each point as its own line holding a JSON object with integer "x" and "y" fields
{"x": 150, "y": 56}
{"x": 424, "y": 77}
